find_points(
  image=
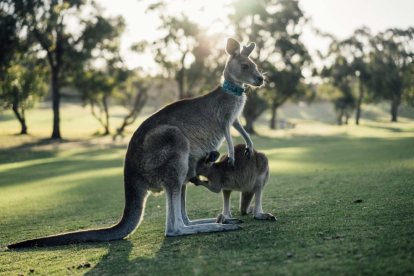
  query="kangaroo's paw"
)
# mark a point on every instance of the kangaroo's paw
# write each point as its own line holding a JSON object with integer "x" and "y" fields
{"x": 250, "y": 209}
{"x": 248, "y": 152}
{"x": 265, "y": 216}
{"x": 231, "y": 162}
{"x": 232, "y": 221}
{"x": 223, "y": 220}
{"x": 220, "y": 218}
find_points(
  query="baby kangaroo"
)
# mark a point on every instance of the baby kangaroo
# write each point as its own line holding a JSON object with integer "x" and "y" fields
{"x": 249, "y": 176}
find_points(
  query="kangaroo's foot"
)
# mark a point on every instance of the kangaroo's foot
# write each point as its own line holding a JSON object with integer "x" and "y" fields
{"x": 223, "y": 220}
{"x": 202, "y": 228}
{"x": 200, "y": 221}
{"x": 177, "y": 217}
{"x": 265, "y": 216}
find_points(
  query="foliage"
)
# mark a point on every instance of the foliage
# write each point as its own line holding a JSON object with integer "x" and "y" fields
{"x": 133, "y": 96}
{"x": 97, "y": 86}
{"x": 408, "y": 94}
{"x": 356, "y": 50}
{"x": 276, "y": 27}
{"x": 66, "y": 49}
{"x": 256, "y": 104}
{"x": 186, "y": 53}
{"x": 391, "y": 66}
{"x": 22, "y": 83}
{"x": 341, "y": 75}
{"x": 10, "y": 42}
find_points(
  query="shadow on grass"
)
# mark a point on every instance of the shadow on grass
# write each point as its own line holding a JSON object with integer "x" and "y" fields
{"x": 45, "y": 170}
{"x": 122, "y": 250}
{"x": 392, "y": 129}
{"x": 165, "y": 262}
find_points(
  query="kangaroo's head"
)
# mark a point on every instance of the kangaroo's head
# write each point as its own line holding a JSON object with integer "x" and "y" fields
{"x": 204, "y": 164}
{"x": 240, "y": 69}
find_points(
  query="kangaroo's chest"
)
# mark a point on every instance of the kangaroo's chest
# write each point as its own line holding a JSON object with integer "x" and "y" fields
{"x": 225, "y": 115}
{"x": 212, "y": 136}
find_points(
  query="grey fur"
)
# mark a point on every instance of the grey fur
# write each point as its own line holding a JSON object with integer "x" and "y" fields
{"x": 249, "y": 177}
{"x": 163, "y": 153}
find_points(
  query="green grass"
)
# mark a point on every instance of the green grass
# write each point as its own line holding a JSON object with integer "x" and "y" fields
{"x": 317, "y": 172}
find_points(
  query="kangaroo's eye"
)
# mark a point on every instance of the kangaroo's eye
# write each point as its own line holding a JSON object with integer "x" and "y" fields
{"x": 245, "y": 66}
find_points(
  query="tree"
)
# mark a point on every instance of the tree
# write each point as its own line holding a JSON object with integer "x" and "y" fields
{"x": 186, "y": 53}
{"x": 21, "y": 74}
{"x": 408, "y": 93}
{"x": 356, "y": 49}
{"x": 10, "y": 41}
{"x": 276, "y": 27}
{"x": 66, "y": 50}
{"x": 22, "y": 85}
{"x": 254, "y": 107}
{"x": 341, "y": 76}
{"x": 95, "y": 89}
{"x": 97, "y": 86}
{"x": 133, "y": 97}
{"x": 390, "y": 62}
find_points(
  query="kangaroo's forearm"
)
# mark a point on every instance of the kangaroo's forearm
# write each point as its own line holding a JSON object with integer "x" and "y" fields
{"x": 237, "y": 125}
{"x": 226, "y": 130}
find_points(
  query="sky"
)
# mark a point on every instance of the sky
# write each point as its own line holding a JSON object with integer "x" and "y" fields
{"x": 337, "y": 17}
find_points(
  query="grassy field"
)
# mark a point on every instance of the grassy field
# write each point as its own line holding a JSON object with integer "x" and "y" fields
{"x": 318, "y": 171}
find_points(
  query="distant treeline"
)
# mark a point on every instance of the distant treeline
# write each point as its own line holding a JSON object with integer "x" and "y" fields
{"x": 38, "y": 52}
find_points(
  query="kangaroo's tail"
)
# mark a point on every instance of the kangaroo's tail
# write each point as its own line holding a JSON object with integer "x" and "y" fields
{"x": 135, "y": 199}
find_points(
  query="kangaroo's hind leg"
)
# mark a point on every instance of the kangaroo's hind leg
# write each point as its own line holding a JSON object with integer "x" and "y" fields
{"x": 184, "y": 212}
{"x": 175, "y": 224}
{"x": 225, "y": 217}
{"x": 168, "y": 165}
{"x": 258, "y": 211}
{"x": 245, "y": 200}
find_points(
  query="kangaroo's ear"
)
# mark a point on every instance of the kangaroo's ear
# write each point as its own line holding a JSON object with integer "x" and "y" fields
{"x": 233, "y": 47}
{"x": 249, "y": 49}
{"x": 213, "y": 157}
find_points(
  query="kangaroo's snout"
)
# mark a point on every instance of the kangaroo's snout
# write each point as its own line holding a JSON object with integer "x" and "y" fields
{"x": 260, "y": 80}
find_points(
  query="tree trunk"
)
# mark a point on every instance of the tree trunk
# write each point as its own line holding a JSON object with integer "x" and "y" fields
{"x": 249, "y": 124}
{"x": 56, "y": 103}
{"x": 273, "y": 119}
{"x": 359, "y": 101}
{"x": 105, "y": 105}
{"x": 21, "y": 118}
{"x": 339, "y": 115}
{"x": 394, "y": 109}
{"x": 181, "y": 85}
{"x": 23, "y": 123}
{"x": 180, "y": 78}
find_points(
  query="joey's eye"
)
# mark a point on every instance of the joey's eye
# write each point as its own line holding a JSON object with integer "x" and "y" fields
{"x": 245, "y": 66}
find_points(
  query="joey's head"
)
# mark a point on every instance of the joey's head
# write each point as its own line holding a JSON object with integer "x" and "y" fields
{"x": 204, "y": 164}
{"x": 240, "y": 69}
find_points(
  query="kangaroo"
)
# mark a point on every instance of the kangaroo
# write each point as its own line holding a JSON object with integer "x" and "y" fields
{"x": 163, "y": 153}
{"x": 249, "y": 176}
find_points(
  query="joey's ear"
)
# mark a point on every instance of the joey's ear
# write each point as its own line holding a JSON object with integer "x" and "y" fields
{"x": 212, "y": 157}
{"x": 249, "y": 49}
{"x": 233, "y": 47}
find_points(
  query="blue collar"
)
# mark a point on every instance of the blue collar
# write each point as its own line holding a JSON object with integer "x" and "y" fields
{"x": 232, "y": 88}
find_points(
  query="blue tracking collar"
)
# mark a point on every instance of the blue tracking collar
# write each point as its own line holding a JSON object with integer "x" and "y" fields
{"x": 232, "y": 88}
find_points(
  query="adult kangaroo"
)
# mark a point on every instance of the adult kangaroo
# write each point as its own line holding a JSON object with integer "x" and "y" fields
{"x": 163, "y": 153}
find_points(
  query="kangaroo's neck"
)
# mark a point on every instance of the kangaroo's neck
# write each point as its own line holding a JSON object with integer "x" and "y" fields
{"x": 230, "y": 79}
